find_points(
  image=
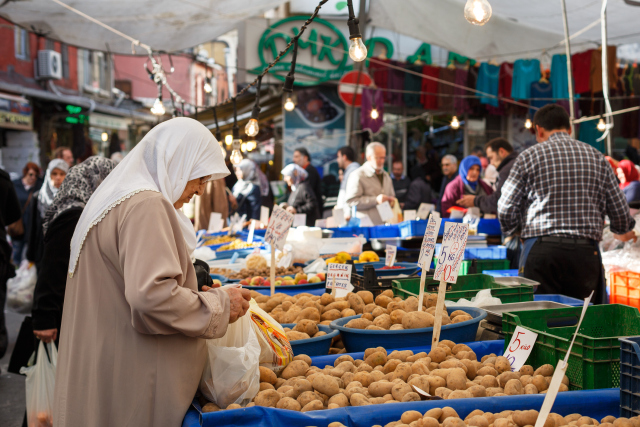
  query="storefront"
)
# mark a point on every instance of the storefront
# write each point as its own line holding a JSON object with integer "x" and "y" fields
{"x": 109, "y": 134}
{"x": 18, "y": 142}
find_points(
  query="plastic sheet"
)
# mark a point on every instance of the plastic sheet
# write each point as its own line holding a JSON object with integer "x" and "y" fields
{"x": 482, "y": 299}
{"x": 592, "y": 403}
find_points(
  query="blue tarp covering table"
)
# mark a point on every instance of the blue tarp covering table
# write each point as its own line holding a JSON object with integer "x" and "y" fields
{"x": 593, "y": 403}
{"x": 267, "y": 291}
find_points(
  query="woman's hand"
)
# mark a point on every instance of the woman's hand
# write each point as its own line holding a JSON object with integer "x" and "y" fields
{"x": 238, "y": 302}
{"x": 291, "y": 209}
{"x": 233, "y": 202}
{"x": 47, "y": 335}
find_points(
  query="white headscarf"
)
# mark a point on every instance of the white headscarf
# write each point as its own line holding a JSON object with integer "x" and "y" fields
{"x": 170, "y": 155}
{"x": 48, "y": 192}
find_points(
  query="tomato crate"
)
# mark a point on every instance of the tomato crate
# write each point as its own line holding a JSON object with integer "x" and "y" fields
{"x": 625, "y": 288}
{"x": 467, "y": 287}
{"x": 594, "y": 362}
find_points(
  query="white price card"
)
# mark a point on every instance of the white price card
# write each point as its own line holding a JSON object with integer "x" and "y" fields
{"x": 410, "y": 215}
{"x": 215, "y": 222}
{"x": 264, "y": 215}
{"x": 299, "y": 219}
{"x": 391, "y": 252}
{"x": 252, "y": 229}
{"x": 338, "y": 217}
{"x": 424, "y": 209}
{"x": 331, "y": 222}
{"x": 454, "y": 242}
{"x": 429, "y": 242}
{"x": 338, "y": 276}
{"x": 278, "y": 227}
{"x": 344, "y": 292}
{"x": 322, "y": 223}
{"x": 520, "y": 347}
{"x": 385, "y": 211}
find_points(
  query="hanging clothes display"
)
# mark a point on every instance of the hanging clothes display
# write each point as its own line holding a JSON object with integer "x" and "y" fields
{"x": 541, "y": 92}
{"x": 460, "y": 101}
{"x": 429, "y": 96}
{"x": 559, "y": 78}
{"x": 371, "y": 98}
{"x": 525, "y": 72}
{"x": 589, "y": 134}
{"x": 395, "y": 81}
{"x": 596, "y": 69}
{"x": 488, "y": 80}
{"x": 506, "y": 80}
{"x": 380, "y": 75}
{"x": 472, "y": 82}
{"x": 412, "y": 83}
{"x": 445, "y": 91}
{"x": 581, "y": 70}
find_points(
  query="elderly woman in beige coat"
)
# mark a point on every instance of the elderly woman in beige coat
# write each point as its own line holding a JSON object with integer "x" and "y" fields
{"x": 132, "y": 348}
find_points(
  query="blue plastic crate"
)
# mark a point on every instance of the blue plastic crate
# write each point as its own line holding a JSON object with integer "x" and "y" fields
{"x": 562, "y": 299}
{"x": 629, "y": 377}
{"x": 501, "y": 273}
{"x": 490, "y": 227}
{"x": 383, "y": 231}
{"x": 491, "y": 252}
{"x": 350, "y": 231}
{"x": 412, "y": 228}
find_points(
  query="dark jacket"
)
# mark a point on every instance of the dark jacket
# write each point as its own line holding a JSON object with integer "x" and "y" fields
{"x": 250, "y": 204}
{"x": 23, "y": 196}
{"x": 455, "y": 191}
{"x": 419, "y": 192}
{"x": 313, "y": 180}
{"x": 401, "y": 188}
{"x": 304, "y": 201}
{"x": 489, "y": 204}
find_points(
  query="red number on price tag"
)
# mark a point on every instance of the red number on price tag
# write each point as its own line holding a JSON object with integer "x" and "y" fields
{"x": 517, "y": 340}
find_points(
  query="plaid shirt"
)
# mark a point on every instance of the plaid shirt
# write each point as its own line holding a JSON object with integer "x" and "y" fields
{"x": 562, "y": 187}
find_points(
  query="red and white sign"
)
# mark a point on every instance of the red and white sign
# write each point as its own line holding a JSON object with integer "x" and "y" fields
{"x": 348, "y": 84}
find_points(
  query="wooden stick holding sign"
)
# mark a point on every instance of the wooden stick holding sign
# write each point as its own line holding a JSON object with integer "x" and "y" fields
{"x": 426, "y": 252}
{"x": 454, "y": 242}
{"x": 276, "y": 235}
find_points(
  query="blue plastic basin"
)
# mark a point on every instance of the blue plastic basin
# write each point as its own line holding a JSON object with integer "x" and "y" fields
{"x": 290, "y": 290}
{"x": 220, "y": 277}
{"x": 361, "y": 339}
{"x": 313, "y": 346}
{"x": 408, "y": 268}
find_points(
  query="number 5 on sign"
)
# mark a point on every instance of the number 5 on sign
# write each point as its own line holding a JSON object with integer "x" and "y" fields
{"x": 520, "y": 347}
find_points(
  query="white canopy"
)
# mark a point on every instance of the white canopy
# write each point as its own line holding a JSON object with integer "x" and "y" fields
{"x": 517, "y": 29}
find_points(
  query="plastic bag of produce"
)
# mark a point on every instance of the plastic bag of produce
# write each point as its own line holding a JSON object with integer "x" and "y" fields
{"x": 232, "y": 374}
{"x": 20, "y": 288}
{"x": 275, "y": 349}
{"x": 40, "y": 384}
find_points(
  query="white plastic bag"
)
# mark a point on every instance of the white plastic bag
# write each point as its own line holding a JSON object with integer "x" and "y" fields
{"x": 482, "y": 299}
{"x": 20, "y": 288}
{"x": 40, "y": 384}
{"x": 232, "y": 374}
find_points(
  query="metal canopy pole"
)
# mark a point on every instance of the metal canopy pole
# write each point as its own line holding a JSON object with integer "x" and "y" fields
{"x": 605, "y": 76}
{"x": 567, "y": 47}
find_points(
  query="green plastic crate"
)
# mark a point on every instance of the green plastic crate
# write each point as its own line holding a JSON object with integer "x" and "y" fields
{"x": 474, "y": 266}
{"x": 467, "y": 287}
{"x": 594, "y": 362}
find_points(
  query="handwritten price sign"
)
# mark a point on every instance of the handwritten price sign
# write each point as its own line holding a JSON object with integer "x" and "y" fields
{"x": 278, "y": 227}
{"x": 341, "y": 273}
{"x": 429, "y": 242}
{"x": 520, "y": 347}
{"x": 454, "y": 242}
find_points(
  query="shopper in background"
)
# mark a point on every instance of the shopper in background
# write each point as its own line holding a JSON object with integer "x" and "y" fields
{"x": 631, "y": 151}
{"x": 467, "y": 182}
{"x": 215, "y": 198}
{"x": 400, "y": 181}
{"x": 628, "y": 177}
{"x": 302, "y": 158}
{"x": 302, "y": 199}
{"x": 247, "y": 190}
{"x": 369, "y": 185}
{"x": 65, "y": 154}
{"x": 25, "y": 188}
{"x": 449, "y": 172}
{"x": 480, "y": 154}
{"x": 428, "y": 164}
{"x": 347, "y": 163}
{"x": 558, "y": 193}
{"x": 419, "y": 192}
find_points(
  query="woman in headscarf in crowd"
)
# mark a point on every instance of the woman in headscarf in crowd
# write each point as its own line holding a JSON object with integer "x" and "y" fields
{"x": 56, "y": 172}
{"x": 247, "y": 190}
{"x": 628, "y": 177}
{"x": 132, "y": 347}
{"x": 302, "y": 199}
{"x": 467, "y": 182}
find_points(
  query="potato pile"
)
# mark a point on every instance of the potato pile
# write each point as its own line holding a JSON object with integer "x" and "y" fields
{"x": 384, "y": 312}
{"x": 450, "y": 371}
{"x": 448, "y": 417}
{"x": 304, "y": 330}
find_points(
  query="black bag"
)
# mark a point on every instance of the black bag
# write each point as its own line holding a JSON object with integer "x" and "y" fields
{"x": 25, "y": 346}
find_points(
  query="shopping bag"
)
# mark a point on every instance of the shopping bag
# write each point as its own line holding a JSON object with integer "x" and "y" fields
{"x": 40, "y": 384}
{"x": 20, "y": 288}
{"x": 275, "y": 350}
{"x": 232, "y": 374}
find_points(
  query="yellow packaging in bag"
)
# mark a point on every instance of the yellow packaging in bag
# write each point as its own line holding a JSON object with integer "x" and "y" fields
{"x": 275, "y": 349}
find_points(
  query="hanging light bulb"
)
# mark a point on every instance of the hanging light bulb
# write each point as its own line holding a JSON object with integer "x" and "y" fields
{"x": 228, "y": 139}
{"x": 158, "y": 107}
{"x": 477, "y": 12}
{"x": 289, "y": 105}
{"x": 287, "y": 89}
{"x": 243, "y": 147}
{"x": 207, "y": 85}
{"x": 455, "y": 123}
{"x": 252, "y": 128}
{"x": 528, "y": 124}
{"x": 104, "y": 136}
{"x": 374, "y": 113}
{"x": 251, "y": 145}
{"x": 602, "y": 126}
{"x": 357, "y": 49}
{"x": 236, "y": 157}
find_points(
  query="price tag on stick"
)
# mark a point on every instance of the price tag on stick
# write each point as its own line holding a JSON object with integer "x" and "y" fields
{"x": 385, "y": 211}
{"x": 426, "y": 253}
{"x": 252, "y": 229}
{"x": 338, "y": 277}
{"x": 520, "y": 347}
{"x": 559, "y": 373}
{"x": 264, "y": 215}
{"x": 424, "y": 209}
{"x": 454, "y": 242}
{"x": 276, "y": 235}
{"x": 410, "y": 215}
{"x": 391, "y": 252}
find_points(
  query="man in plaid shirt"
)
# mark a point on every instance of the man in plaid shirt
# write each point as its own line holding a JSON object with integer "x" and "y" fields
{"x": 557, "y": 196}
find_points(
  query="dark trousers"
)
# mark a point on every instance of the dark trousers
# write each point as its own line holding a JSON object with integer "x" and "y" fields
{"x": 570, "y": 269}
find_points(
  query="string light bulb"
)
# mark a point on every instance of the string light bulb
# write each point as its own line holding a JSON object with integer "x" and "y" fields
{"x": 289, "y": 105}
{"x": 374, "y": 113}
{"x": 236, "y": 157}
{"x": 252, "y": 128}
{"x": 158, "y": 108}
{"x": 357, "y": 49}
{"x": 602, "y": 126}
{"x": 243, "y": 147}
{"x": 455, "y": 123}
{"x": 104, "y": 136}
{"x": 228, "y": 139}
{"x": 477, "y": 12}
{"x": 528, "y": 124}
{"x": 287, "y": 89}
{"x": 207, "y": 85}
{"x": 251, "y": 145}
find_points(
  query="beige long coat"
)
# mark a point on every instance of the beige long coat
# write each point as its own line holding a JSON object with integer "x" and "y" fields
{"x": 364, "y": 186}
{"x": 131, "y": 345}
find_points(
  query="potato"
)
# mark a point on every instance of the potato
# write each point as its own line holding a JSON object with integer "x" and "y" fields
{"x": 530, "y": 389}
{"x": 307, "y": 326}
{"x": 443, "y": 392}
{"x": 359, "y": 399}
{"x": 267, "y": 376}
{"x": 492, "y": 391}
{"x": 419, "y": 368}
{"x": 544, "y": 370}
{"x": 347, "y": 312}
{"x": 391, "y": 365}
{"x": 343, "y": 366}
{"x": 460, "y": 394}
{"x": 503, "y": 422}
{"x": 502, "y": 365}
{"x": 367, "y": 297}
{"x": 303, "y": 357}
{"x": 525, "y": 418}
{"x": 356, "y": 302}
{"x": 399, "y": 390}
{"x": 331, "y": 315}
{"x": 378, "y": 358}
{"x": 339, "y": 399}
{"x": 300, "y": 387}
{"x": 269, "y": 398}
{"x": 504, "y": 377}
{"x": 477, "y": 391}
{"x": 582, "y": 421}
{"x": 395, "y": 305}
{"x": 326, "y": 384}
{"x": 383, "y": 300}
{"x": 477, "y": 421}
{"x": 210, "y": 407}
{"x": 295, "y": 335}
{"x": 396, "y": 316}
{"x": 310, "y": 313}
{"x": 438, "y": 355}
{"x": 527, "y": 370}
{"x": 457, "y": 379}
{"x": 383, "y": 321}
{"x": 428, "y": 422}
{"x": 459, "y": 319}
{"x": 513, "y": 387}
{"x": 358, "y": 323}
{"x": 314, "y": 405}
{"x": 288, "y": 403}
{"x": 430, "y": 300}
{"x": 540, "y": 382}
{"x": 369, "y": 308}
{"x": 380, "y": 388}
{"x": 410, "y": 416}
{"x": 266, "y": 386}
{"x": 487, "y": 370}
{"x": 417, "y": 320}
{"x": 305, "y": 398}
{"x": 435, "y": 382}
{"x": 379, "y": 311}
{"x": 396, "y": 327}
{"x": 608, "y": 419}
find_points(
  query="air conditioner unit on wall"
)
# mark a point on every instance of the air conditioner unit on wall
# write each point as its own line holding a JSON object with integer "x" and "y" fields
{"x": 49, "y": 65}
